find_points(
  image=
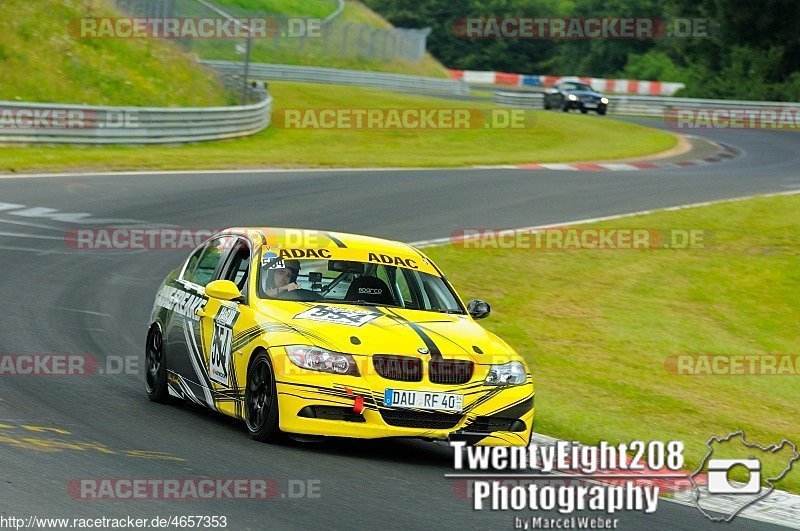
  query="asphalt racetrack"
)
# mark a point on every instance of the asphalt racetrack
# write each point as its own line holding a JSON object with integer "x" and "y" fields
{"x": 58, "y": 429}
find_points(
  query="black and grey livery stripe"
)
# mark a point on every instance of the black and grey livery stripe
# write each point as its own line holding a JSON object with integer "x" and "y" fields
{"x": 337, "y": 391}
{"x": 514, "y": 411}
{"x": 194, "y": 333}
{"x": 245, "y": 337}
{"x": 339, "y": 243}
{"x": 432, "y": 347}
{"x": 442, "y": 336}
{"x": 179, "y": 387}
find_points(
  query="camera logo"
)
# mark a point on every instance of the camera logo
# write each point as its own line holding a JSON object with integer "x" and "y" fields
{"x": 746, "y": 475}
{"x": 719, "y": 481}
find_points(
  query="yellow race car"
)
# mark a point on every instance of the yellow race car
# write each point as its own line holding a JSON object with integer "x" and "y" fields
{"x": 313, "y": 333}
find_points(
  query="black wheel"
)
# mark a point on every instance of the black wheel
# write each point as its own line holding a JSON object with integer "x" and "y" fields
{"x": 601, "y": 112}
{"x": 261, "y": 401}
{"x": 156, "y": 367}
{"x": 547, "y": 105}
{"x": 584, "y": 111}
{"x": 565, "y": 107}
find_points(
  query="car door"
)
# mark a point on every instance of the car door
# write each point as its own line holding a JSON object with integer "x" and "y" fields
{"x": 182, "y": 337}
{"x": 224, "y": 329}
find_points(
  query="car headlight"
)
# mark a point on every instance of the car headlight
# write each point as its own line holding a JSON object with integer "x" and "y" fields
{"x": 319, "y": 359}
{"x": 511, "y": 373}
{"x": 604, "y": 100}
{"x": 573, "y": 97}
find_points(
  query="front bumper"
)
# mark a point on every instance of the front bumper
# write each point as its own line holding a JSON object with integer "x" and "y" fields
{"x": 580, "y": 105}
{"x": 316, "y": 403}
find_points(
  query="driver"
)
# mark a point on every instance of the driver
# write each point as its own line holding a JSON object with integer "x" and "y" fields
{"x": 282, "y": 279}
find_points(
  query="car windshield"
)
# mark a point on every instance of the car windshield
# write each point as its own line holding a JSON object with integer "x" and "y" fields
{"x": 575, "y": 86}
{"x": 355, "y": 282}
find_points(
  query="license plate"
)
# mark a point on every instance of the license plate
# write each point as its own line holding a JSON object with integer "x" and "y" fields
{"x": 590, "y": 105}
{"x": 423, "y": 400}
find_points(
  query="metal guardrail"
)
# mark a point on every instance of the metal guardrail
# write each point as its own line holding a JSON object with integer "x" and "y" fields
{"x": 657, "y": 106}
{"x": 333, "y": 16}
{"x": 82, "y": 124}
{"x": 364, "y": 78}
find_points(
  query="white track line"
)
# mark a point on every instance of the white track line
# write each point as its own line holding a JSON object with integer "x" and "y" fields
{"x": 441, "y": 241}
{"x": 239, "y": 171}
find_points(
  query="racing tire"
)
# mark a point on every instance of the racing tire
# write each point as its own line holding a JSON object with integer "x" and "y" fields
{"x": 547, "y": 105}
{"x": 261, "y": 401}
{"x": 601, "y": 113}
{"x": 156, "y": 367}
{"x": 565, "y": 107}
{"x": 584, "y": 111}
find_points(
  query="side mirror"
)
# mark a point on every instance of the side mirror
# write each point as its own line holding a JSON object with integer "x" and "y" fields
{"x": 224, "y": 290}
{"x": 478, "y": 309}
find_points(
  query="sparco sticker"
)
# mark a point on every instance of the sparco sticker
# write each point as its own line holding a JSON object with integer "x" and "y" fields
{"x": 325, "y": 314}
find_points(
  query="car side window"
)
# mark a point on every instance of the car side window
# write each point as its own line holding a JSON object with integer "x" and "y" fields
{"x": 439, "y": 296}
{"x": 238, "y": 266}
{"x": 203, "y": 263}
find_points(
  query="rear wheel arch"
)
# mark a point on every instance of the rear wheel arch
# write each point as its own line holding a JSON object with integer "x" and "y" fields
{"x": 155, "y": 352}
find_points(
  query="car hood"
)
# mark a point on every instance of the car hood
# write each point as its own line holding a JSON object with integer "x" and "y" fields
{"x": 585, "y": 93}
{"x": 367, "y": 330}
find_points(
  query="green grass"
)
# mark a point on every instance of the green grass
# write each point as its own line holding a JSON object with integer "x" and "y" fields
{"x": 289, "y": 55}
{"x": 297, "y": 8}
{"x": 355, "y": 11}
{"x": 597, "y": 327}
{"x": 41, "y": 61}
{"x": 340, "y": 49}
{"x": 552, "y": 137}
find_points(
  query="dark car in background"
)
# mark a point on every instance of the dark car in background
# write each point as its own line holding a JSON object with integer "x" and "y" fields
{"x": 568, "y": 95}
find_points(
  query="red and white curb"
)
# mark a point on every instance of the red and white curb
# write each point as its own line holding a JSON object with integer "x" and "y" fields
{"x": 534, "y": 81}
{"x": 724, "y": 152}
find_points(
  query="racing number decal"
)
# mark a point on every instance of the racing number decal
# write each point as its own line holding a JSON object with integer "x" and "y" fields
{"x": 324, "y": 314}
{"x": 221, "y": 345}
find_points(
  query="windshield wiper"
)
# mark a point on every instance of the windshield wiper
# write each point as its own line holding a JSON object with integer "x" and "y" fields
{"x": 371, "y": 304}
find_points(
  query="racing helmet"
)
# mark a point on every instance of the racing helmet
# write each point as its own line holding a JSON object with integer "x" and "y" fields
{"x": 294, "y": 269}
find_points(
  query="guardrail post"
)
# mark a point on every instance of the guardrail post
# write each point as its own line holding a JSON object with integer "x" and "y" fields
{"x": 246, "y": 73}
